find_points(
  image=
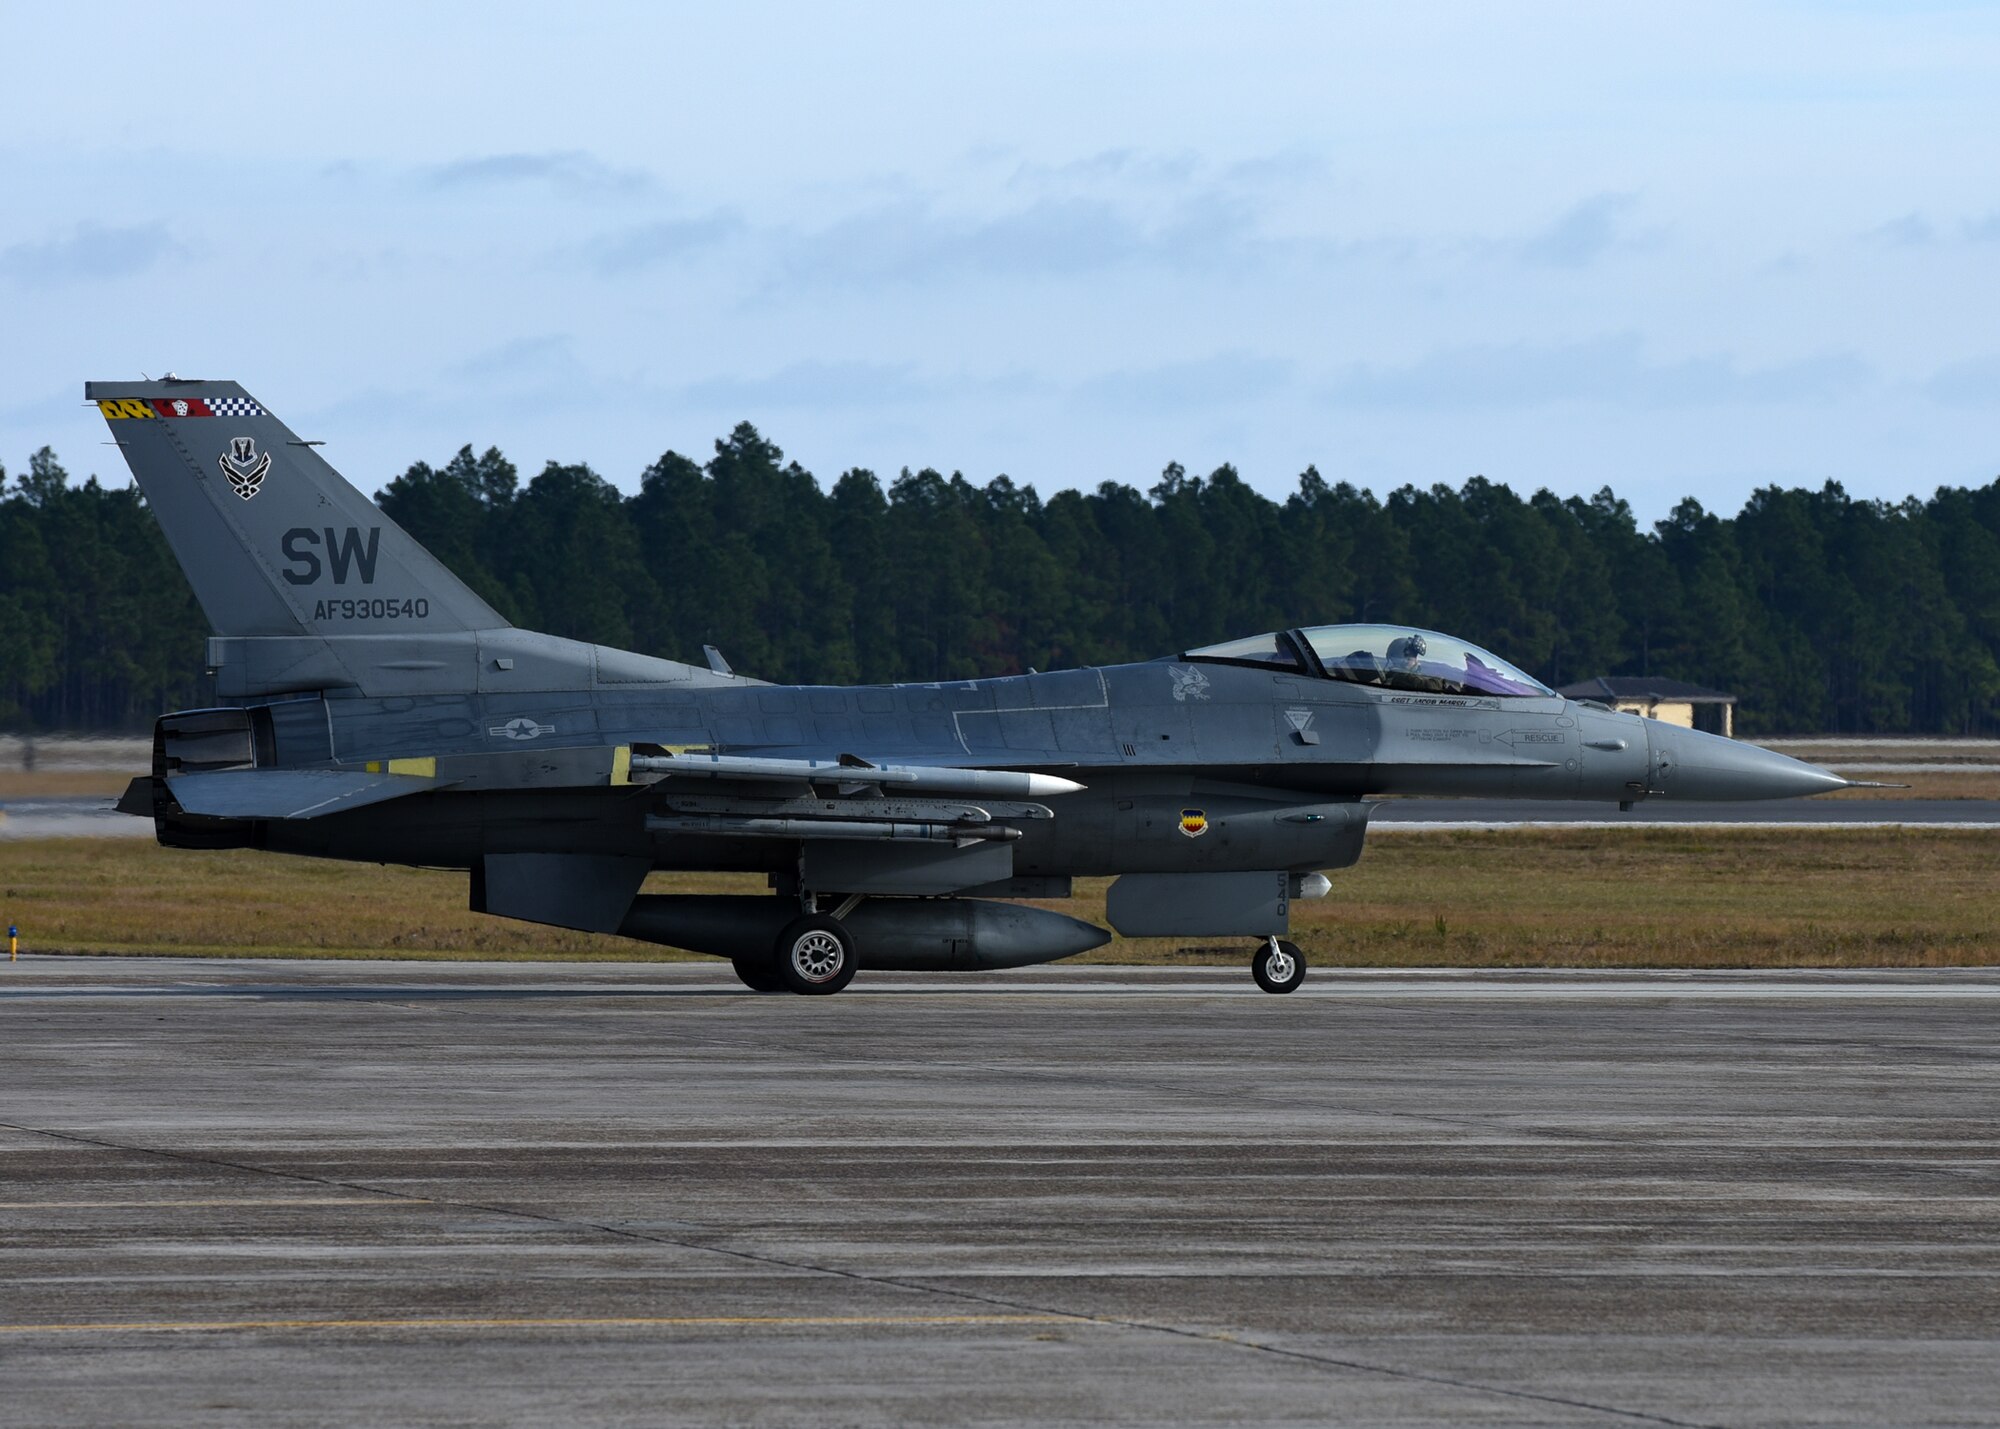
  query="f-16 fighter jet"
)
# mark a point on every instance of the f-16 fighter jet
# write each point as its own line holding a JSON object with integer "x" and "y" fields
{"x": 370, "y": 706}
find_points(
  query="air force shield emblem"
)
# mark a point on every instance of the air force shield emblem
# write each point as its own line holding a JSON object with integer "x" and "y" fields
{"x": 245, "y": 466}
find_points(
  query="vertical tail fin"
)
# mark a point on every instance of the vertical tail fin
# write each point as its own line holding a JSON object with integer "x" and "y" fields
{"x": 274, "y": 541}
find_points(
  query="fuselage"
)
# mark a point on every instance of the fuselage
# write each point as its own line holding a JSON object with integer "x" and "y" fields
{"x": 1277, "y": 766}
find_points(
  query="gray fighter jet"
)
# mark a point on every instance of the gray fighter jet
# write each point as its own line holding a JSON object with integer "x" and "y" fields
{"x": 369, "y": 706}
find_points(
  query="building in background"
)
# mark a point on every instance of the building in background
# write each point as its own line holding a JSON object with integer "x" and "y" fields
{"x": 1673, "y": 701}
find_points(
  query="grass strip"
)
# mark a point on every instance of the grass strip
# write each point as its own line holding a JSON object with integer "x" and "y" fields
{"x": 1703, "y": 897}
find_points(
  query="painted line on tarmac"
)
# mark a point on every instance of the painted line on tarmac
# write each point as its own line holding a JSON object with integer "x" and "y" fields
{"x": 1480, "y": 992}
{"x": 1836, "y": 741}
{"x": 1433, "y": 826}
{"x": 258, "y": 1201}
{"x": 541, "y": 1322}
{"x": 1889, "y": 766}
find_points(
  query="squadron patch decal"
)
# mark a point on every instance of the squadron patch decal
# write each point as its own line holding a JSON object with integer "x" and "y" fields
{"x": 245, "y": 466}
{"x": 1189, "y": 682}
{"x": 1194, "y": 822}
{"x": 182, "y": 407}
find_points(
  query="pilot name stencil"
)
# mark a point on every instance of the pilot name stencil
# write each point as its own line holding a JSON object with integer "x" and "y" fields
{"x": 1443, "y": 701}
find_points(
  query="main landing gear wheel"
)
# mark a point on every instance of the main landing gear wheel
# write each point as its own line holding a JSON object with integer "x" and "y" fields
{"x": 815, "y": 955}
{"x": 758, "y": 974}
{"x": 1278, "y": 966}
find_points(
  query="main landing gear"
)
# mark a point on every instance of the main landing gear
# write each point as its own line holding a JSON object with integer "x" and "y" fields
{"x": 814, "y": 955}
{"x": 1278, "y": 966}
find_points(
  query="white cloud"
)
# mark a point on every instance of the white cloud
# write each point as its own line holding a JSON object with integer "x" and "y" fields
{"x": 1973, "y": 382}
{"x": 570, "y": 171}
{"x": 1225, "y": 380}
{"x": 1585, "y": 233}
{"x": 1612, "y": 370}
{"x": 648, "y": 245}
{"x": 812, "y": 384}
{"x": 1912, "y": 230}
{"x": 91, "y": 251}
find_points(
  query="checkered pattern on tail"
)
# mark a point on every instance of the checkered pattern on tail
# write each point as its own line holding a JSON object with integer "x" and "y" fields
{"x": 234, "y": 407}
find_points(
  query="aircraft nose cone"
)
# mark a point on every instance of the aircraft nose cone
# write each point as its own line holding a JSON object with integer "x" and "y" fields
{"x": 1693, "y": 765}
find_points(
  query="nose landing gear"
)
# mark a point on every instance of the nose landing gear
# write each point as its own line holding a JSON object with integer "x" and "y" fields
{"x": 1278, "y": 966}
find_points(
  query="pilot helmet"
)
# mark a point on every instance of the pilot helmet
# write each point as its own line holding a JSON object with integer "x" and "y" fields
{"x": 1410, "y": 647}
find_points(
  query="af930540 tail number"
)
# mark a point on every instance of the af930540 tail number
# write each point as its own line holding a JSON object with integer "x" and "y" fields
{"x": 372, "y": 608}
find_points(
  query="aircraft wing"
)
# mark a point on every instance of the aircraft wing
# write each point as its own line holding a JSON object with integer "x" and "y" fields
{"x": 287, "y": 793}
{"x": 921, "y": 793}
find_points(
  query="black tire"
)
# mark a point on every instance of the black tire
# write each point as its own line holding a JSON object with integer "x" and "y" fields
{"x": 758, "y": 974}
{"x": 1278, "y": 967}
{"x": 815, "y": 955}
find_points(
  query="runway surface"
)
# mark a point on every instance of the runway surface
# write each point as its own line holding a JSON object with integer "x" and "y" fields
{"x": 330, "y": 1193}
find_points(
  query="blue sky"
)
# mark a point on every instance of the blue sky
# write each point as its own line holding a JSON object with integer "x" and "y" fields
{"x": 1677, "y": 250}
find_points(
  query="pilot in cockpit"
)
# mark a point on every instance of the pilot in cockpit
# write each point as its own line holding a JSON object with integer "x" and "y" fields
{"x": 1406, "y": 665}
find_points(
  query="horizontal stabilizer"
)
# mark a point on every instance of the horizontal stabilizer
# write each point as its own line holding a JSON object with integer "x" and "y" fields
{"x": 287, "y": 793}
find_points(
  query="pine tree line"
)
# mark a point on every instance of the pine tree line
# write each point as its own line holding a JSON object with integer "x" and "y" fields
{"x": 1821, "y": 612}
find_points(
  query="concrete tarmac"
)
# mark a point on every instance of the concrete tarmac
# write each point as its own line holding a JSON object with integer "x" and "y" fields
{"x": 258, "y": 1193}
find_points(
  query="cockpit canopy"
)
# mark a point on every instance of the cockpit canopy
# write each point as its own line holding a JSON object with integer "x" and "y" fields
{"x": 1395, "y": 657}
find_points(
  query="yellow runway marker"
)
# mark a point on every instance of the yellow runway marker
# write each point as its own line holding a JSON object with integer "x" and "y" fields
{"x": 609, "y": 1322}
{"x": 230, "y": 1201}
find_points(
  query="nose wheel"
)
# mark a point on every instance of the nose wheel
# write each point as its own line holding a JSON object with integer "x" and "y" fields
{"x": 1278, "y": 966}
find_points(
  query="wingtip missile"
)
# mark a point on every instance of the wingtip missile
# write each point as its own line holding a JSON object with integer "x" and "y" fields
{"x": 1047, "y": 786}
